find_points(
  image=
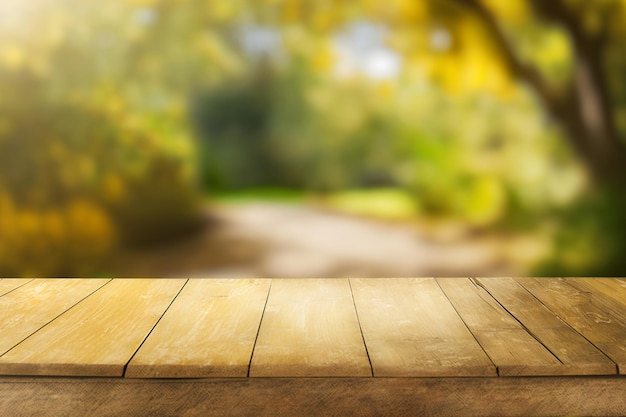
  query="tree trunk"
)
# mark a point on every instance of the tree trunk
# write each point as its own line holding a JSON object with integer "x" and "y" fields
{"x": 586, "y": 117}
{"x": 583, "y": 109}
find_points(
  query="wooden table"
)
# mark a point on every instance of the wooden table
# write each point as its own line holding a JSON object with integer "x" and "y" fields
{"x": 446, "y": 346}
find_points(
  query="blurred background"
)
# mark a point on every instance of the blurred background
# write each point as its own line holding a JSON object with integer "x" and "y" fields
{"x": 269, "y": 138}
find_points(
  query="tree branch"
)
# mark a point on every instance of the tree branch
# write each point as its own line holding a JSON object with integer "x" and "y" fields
{"x": 590, "y": 75}
{"x": 583, "y": 108}
{"x": 556, "y": 11}
{"x": 515, "y": 65}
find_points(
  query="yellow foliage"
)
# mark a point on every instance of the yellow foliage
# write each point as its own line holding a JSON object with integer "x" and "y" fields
{"x": 470, "y": 66}
{"x": 211, "y": 46}
{"x": 49, "y": 241}
{"x": 397, "y": 11}
{"x": 53, "y": 226}
{"x": 320, "y": 98}
{"x": 54, "y": 33}
{"x": 86, "y": 168}
{"x": 411, "y": 10}
{"x": 27, "y": 222}
{"x": 4, "y": 128}
{"x": 141, "y": 2}
{"x": 345, "y": 117}
{"x": 323, "y": 20}
{"x": 385, "y": 89}
{"x": 114, "y": 189}
{"x": 509, "y": 10}
{"x": 383, "y": 203}
{"x": 90, "y": 225}
{"x": 323, "y": 59}
{"x": 13, "y": 56}
{"x": 484, "y": 201}
{"x": 291, "y": 12}
{"x": 115, "y": 105}
{"x": 554, "y": 53}
{"x": 7, "y": 221}
{"x": 221, "y": 10}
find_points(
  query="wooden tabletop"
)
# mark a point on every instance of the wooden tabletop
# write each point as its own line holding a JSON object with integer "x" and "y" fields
{"x": 383, "y": 327}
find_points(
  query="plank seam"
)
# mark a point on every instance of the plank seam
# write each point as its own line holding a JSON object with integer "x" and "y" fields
{"x": 152, "y": 329}
{"x": 531, "y": 333}
{"x": 16, "y": 288}
{"x": 602, "y": 301}
{"x": 569, "y": 325}
{"x": 55, "y": 317}
{"x": 358, "y": 319}
{"x": 606, "y": 304}
{"x": 467, "y": 327}
{"x": 258, "y": 331}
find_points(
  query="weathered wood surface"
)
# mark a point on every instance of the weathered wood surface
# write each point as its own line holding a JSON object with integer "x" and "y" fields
{"x": 557, "y": 335}
{"x": 98, "y": 336}
{"x": 614, "y": 288}
{"x": 411, "y": 329}
{"x": 514, "y": 351}
{"x": 30, "y": 307}
{"x": 599, "y": 319}
{"x": 421, "y": 327}
{"x": 9, "y": 284}
{"x": 310, "y": 328}
{"x": 209, "y": 331}
{"x": 457, "y": 397}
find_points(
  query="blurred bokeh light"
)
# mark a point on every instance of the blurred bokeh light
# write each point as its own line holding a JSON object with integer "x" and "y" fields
{"x": 312, "y": 138}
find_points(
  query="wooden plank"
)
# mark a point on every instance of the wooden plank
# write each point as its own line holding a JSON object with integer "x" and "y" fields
{"x": 98, "y": 336}
{"x": 613, "y": 288}
{"x": 303, "y": 397}
{"x": 9, "y": 284}
{"x": 411, "y": 329}
{"x": 31, "y": 306}
{"x": 514, "y": 351}
{"x": 310, "y": 328}
{"x": 597, "y": 318}
{"x": 564, "y": 342}
{"x": 209, "y": 331}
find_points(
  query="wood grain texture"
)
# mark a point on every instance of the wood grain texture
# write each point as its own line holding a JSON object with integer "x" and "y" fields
{"x": 98, "y": 336}
{"x": 599, "y": 319}
{"x": 611, "y": 290}
{"x": 543, "y": 324}
{"x": 309, "y": 328}
{"x": 363, "y": 397}
{"x": 9, "y": 284}
{"x": 510, "y": 347}
{"x": 31, "y": 306}
{"x": 209, "y": 331}
{"x": 411, "y": 329}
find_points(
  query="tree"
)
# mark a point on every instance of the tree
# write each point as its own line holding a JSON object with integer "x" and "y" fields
{"x": 585, "y": 102}
{"x": 583, "y": 106}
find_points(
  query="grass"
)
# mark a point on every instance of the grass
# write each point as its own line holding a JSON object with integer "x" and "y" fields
{"x": 268, "y": 194}
{"x": 380, "y": 203}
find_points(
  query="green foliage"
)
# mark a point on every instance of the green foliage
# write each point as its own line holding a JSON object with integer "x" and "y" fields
{"x": 272, "y": 194}
{"x": 76, "y": 183}
{"x": 232, "y": 124}
{"x": 292, "y": 128}
{"x": 96, "y": 151}
{"x": 379, "y": 203}
{"x": 590, "y": 240}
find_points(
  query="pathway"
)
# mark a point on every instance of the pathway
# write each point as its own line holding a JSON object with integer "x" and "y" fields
{"x": 275, "y": 240}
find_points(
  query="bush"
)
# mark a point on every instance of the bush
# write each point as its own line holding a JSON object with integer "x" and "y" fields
{"x": 78, "y": 182}
{"x": 591, "y": 238}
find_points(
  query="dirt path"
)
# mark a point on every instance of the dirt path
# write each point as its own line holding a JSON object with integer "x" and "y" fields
{"x": 273, "y": 240}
